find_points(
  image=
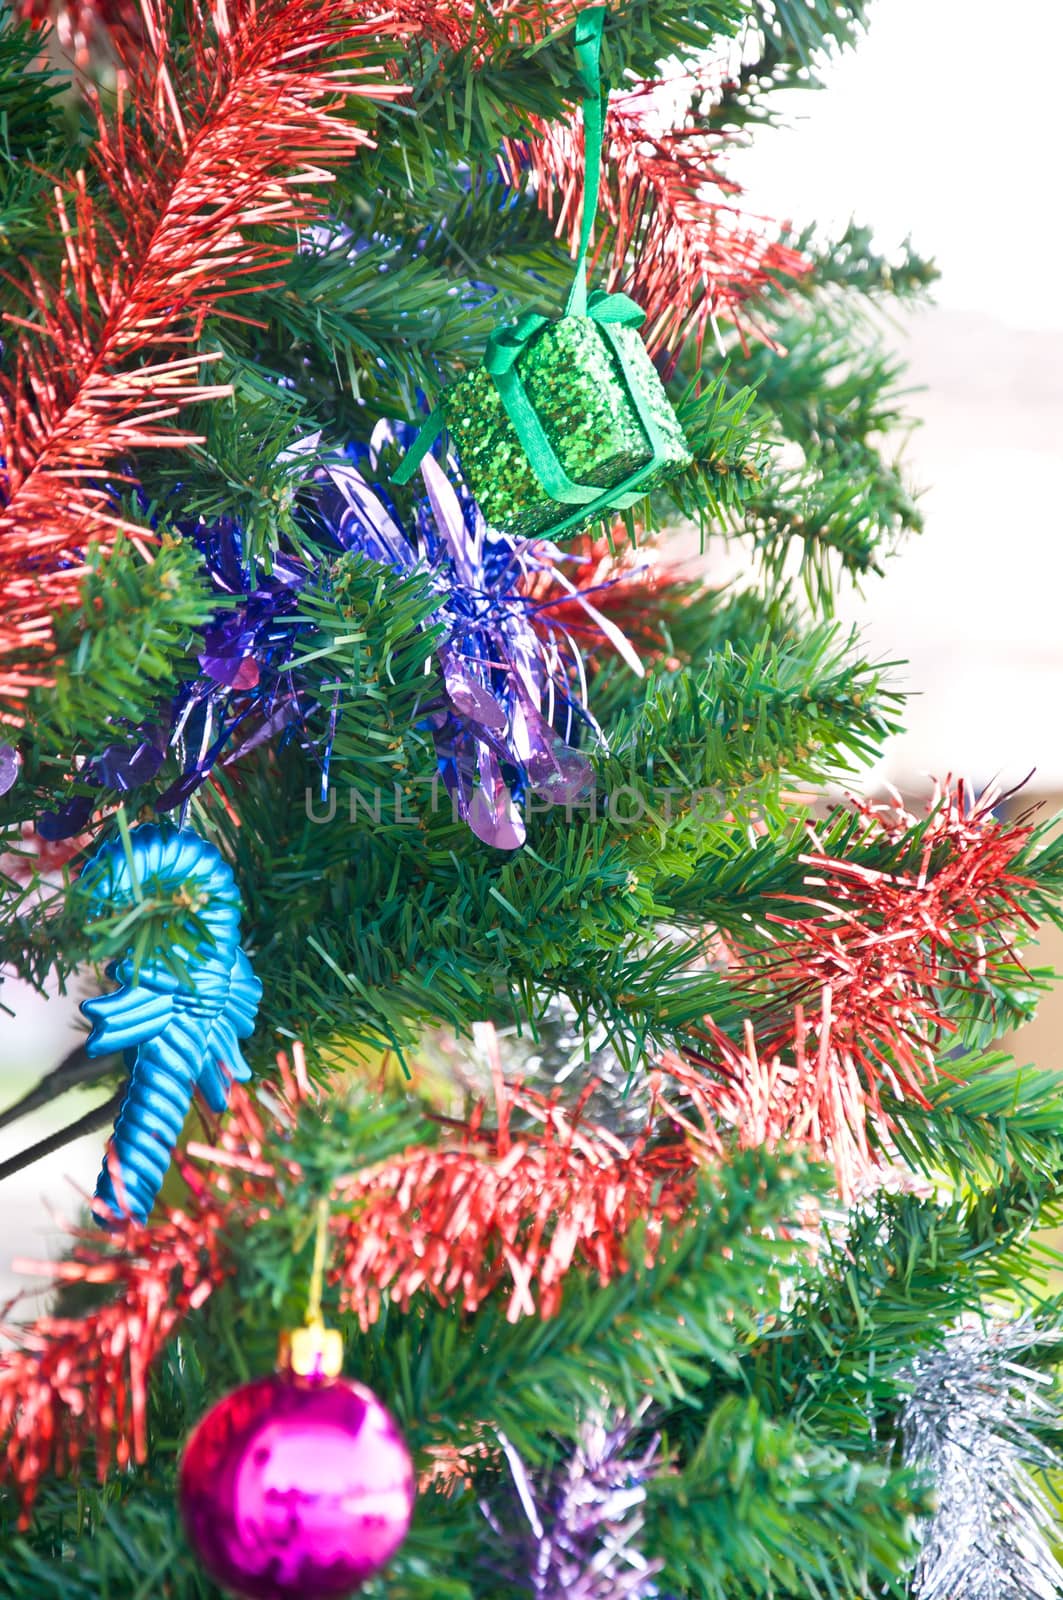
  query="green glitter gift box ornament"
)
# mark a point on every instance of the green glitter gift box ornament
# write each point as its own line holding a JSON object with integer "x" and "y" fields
{"x": 566, "y": 419}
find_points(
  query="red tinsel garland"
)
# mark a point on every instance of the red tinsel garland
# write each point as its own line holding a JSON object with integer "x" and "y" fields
{"x": 850, "y": 1000}
{"x": 236, "y": 137}
{"x": 71, "y": 1382}
{"x": 498, "y": 1209}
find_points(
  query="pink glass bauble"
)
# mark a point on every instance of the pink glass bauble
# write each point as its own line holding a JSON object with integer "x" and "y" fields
{"x": 296, "y": 1491}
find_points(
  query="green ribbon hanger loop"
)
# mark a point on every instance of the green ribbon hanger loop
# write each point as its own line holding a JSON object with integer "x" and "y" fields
{"x": 588, "y": 41}
{"x": 505, "y": 345}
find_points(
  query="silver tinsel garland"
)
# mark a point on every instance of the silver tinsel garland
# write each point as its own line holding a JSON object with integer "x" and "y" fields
{"x": 968, "y": 1422}
{"x": 585, "y": 1521}
{"x": 564, "y": 1056}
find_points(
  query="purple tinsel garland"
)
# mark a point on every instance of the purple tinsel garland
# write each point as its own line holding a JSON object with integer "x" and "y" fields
{"x": 585, "y": 1520}
{"x": 514, "y": 705}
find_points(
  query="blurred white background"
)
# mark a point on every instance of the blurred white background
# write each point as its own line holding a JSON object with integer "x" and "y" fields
{"x": 943, "y": 124}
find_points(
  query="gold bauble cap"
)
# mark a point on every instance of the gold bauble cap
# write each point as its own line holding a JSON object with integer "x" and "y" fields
{"x": 313, "y": 1351}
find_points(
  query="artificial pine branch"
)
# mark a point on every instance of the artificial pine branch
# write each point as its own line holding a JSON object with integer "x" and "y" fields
{"x": 34, "y": 141}
{"x": 851, "y": 261}
{"x": 209, "y": 145}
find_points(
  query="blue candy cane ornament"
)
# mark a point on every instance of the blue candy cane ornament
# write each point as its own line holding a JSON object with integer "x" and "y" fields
{"x": 175, "y": 1037}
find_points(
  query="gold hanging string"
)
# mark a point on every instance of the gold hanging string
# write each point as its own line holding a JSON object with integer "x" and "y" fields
{"x": 313, "y": 1352}
{"x": 317, "y": 1271}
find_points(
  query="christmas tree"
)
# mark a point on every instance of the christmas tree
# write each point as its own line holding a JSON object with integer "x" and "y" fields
{"x": 496, "y": 992}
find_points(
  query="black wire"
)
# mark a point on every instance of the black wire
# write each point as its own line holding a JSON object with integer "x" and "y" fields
{"x": 89, "y": 1123}
{"x": 75, "y": 1068}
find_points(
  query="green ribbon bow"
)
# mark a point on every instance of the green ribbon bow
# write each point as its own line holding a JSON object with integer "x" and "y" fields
{"x": 609, "y": 311}
{"x": 500, "y": 358}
